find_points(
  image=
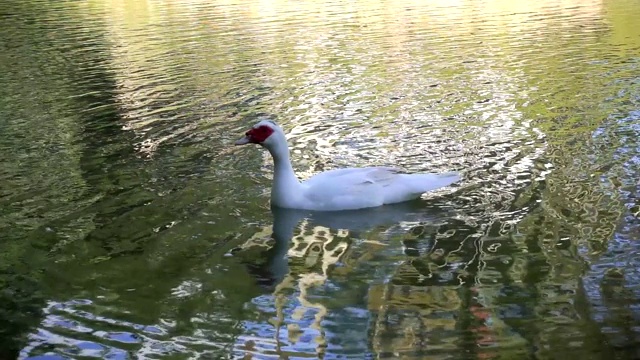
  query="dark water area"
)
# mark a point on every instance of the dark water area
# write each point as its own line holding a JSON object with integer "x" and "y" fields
{"x": 132, "y": 228}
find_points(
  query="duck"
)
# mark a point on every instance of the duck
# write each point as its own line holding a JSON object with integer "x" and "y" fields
{"x": 338, "y": 189}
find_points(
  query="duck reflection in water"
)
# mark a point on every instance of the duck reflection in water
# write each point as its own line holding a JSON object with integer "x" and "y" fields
{"x": 304, "y": 235}
{"x": 311, "y": 259}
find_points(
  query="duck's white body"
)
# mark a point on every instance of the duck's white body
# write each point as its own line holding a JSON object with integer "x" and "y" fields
{"x": 340, "y": 189}
{"x": 356, "y": 188}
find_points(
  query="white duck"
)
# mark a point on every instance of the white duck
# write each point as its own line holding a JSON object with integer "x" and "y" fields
{"x": 340, "y": 189}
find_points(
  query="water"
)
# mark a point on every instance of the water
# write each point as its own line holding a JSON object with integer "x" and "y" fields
{"x": 132, "y": 228}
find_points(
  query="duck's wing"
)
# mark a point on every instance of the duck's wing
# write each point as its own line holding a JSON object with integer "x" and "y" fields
{"x": 349, "y": 188}
{"x": 354, "y": 177}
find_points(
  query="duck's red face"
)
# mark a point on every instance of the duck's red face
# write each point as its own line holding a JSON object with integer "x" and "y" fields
{"x": 256, "y": 135}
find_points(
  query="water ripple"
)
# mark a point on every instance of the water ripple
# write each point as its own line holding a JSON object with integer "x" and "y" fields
{"x": 118, "y": 120}
{"x": 74, "y": 330}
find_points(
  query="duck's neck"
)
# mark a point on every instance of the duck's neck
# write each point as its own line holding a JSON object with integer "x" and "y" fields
{"x": 286, "y": 188}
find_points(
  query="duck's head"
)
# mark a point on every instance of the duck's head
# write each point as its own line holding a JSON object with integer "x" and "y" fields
{"x": 265, "y": 133}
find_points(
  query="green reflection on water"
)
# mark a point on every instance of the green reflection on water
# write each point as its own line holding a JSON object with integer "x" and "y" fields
{"x": 117, "y": 183}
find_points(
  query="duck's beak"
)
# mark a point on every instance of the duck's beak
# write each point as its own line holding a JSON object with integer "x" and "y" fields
{"x": 243, "y": 141}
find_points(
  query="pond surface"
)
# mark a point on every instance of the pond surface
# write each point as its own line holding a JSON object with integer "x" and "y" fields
{"x": 132, "y": 228}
